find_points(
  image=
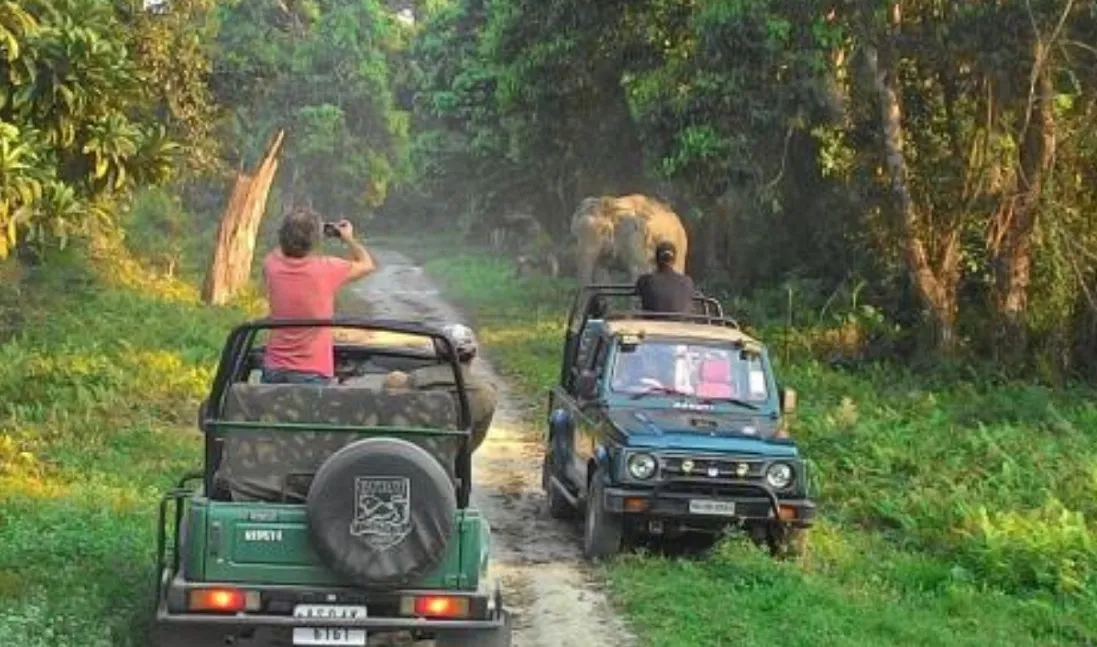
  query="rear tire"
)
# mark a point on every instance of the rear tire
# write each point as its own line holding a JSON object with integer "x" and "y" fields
{"x": 499, "y": 637}
{"x": 603, "y": 531}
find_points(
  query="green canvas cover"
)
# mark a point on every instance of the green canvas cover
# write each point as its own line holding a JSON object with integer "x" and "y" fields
{"x": 265, "y": 464}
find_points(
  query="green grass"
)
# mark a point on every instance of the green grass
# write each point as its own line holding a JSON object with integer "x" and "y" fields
{"x": 100, "y": 376}
{"x": 953, "y": 512}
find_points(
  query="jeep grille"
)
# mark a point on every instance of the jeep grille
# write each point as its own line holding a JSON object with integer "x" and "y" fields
{"x": 709, "y": 469}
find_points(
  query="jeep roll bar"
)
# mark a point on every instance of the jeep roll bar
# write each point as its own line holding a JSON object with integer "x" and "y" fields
{"x": 726, "y": 322}
{"x": 238, "y": 347}
{"x": 711, "y": 313}
{"x": 581, "y": 303}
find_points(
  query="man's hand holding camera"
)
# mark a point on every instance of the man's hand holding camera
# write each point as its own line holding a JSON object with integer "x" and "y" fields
{"x": 362, "y": 262}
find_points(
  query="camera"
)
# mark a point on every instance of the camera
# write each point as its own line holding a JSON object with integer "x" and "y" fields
{"x": 331, "y": 230}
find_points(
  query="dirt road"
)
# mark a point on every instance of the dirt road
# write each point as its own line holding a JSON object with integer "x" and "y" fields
{"x": 556, "y": 602}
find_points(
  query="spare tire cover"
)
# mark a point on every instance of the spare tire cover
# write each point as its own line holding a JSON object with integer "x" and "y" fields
{"x": 381, "y": 513}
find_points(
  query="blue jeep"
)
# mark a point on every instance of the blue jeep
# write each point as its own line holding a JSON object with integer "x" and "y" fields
{"x": 664, "y": 424}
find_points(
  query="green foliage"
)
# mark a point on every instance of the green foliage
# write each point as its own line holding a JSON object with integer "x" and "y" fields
{"x": 98, "y": 389}
{"x": 173, "y": 50}
{"x": 460, "y": 155}
{"x": 323, "y": 71}
{"x": 81, "y": 87}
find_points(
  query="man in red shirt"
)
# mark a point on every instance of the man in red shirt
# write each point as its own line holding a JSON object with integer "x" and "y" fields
{"x": 302, "y": 285}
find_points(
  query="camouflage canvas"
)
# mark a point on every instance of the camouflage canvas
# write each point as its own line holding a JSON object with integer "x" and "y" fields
{"x": 264, "y": 464}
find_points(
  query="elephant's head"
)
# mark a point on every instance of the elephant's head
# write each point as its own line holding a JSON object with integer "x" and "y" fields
{"x": 592, "y": 231}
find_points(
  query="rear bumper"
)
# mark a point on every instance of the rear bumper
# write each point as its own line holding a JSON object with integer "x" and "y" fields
{"x": 274, "y": 616}
{"x": 749, "y": 508}
{"x": 254, "y": 621}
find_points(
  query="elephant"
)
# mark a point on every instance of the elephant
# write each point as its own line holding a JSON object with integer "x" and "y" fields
{"x": 623, "y": 231}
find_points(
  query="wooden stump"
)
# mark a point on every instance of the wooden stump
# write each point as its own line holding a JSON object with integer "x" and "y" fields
{"x": 230, "y": 265}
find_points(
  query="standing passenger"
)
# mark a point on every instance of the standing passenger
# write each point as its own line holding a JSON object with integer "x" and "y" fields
{"x": 302, "y": 285}
{"x": 665, "y": 289}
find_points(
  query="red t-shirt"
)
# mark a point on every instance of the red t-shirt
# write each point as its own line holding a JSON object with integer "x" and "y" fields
{"x": 302, "y": 288}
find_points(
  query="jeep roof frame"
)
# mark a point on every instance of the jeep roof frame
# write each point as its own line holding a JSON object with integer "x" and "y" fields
{"x": 238, "y": 349}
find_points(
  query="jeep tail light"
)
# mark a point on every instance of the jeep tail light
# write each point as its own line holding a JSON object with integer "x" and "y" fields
{"x": 436, "y": 606}
{"x": 222, "y": 600}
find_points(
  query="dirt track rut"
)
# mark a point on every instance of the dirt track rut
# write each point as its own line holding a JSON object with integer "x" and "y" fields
{"x": 546, "y": 584}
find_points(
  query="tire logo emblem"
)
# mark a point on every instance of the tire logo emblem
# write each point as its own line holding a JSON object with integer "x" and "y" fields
{"x": 382, "y": 516}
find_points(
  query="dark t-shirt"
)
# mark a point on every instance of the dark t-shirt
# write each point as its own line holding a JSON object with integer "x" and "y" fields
{"x": 665, "y": 291}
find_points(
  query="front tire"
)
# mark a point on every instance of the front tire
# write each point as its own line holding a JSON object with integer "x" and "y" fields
{"x": 558, "y": 506}
{"x": 603, "y": 531}
{"x": 788, "y": 542}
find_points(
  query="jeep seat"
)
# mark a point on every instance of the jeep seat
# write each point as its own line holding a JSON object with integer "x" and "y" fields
{"x": 715, "y": 379}
{"x": 276, "y": 465}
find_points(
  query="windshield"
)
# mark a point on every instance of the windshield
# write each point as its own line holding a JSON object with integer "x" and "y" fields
{"x": 700, "y": 370}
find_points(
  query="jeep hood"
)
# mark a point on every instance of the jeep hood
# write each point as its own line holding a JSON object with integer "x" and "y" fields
{"x": 692, "y": 430}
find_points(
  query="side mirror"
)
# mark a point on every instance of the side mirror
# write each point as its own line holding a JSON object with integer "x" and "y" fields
{"x": 586, "y": 387}
{"x": 203, "y": 409}
{"x": 788, "y": 400}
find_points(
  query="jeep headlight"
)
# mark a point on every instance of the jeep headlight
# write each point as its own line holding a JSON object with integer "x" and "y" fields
{"x": 779, "y": 475}
{"x": 641, "y": 466}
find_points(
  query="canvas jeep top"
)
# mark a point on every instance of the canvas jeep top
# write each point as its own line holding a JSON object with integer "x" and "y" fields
{"x": 326, "y": 514}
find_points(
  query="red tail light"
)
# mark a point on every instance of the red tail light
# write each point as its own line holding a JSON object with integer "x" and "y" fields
{"x": 218, "y": 600}
{"x": 441, "y": 606}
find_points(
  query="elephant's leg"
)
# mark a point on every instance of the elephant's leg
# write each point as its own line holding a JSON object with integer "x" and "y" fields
{"x": 586, "y": 260}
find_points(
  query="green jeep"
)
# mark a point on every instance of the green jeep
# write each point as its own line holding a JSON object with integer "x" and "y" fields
{"x": 670, "y": 423}
{"x": 329, "y": 514}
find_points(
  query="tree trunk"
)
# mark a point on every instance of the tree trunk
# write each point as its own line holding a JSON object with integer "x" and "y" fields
{"x": 936, "y": 289}
{"x": 230, "y": 265}
{"x": 1016, "y": 219}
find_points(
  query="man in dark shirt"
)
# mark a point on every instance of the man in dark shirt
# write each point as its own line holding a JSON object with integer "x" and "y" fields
{"x": 665, "y": 290}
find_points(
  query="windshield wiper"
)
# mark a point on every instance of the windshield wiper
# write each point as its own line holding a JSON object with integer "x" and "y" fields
{"x": 735, "y": 401}
{"x": 664, "y": 390}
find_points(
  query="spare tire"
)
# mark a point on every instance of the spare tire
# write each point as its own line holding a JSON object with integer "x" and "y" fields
{"x": 381, "y": 512}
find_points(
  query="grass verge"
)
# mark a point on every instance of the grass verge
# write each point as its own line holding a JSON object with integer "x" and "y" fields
{"x": 954, "y": 512}
{"x": 101, "y": 371}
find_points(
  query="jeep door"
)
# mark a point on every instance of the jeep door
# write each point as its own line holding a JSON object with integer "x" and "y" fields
{"x": 577, "y": 446}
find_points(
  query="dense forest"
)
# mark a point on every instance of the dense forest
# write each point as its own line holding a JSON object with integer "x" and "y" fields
{"x": 934, "y": 159}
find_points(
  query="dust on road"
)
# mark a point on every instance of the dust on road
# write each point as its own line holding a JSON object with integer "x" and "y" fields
{"x": 546, "y": 584}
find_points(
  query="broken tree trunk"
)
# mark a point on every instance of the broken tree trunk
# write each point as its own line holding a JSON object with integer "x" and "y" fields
{"x": 1015, "y": 221}
{"x": 936, "y": 287}
{"x": 230, "y": 265}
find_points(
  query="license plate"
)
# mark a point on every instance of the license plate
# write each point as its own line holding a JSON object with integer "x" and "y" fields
{"x": 329, "y": 635}
{"x": 718, "y": 508}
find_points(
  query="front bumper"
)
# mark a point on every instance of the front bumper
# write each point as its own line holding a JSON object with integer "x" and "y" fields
{"x": 274, "y": 617}
{"x": 753, "y": 504}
